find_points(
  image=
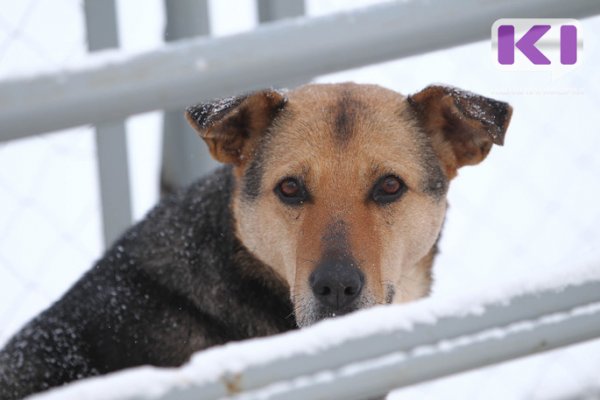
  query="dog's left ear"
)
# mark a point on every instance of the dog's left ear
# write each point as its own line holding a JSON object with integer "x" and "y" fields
{"x": 231, "y": 126}
{"x": 462, "y": 125}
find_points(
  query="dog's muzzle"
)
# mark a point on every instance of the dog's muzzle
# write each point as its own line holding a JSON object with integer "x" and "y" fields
{"x": 336, "y": 284}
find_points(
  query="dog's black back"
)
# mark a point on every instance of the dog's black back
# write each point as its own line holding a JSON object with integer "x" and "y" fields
{"x": 176, "y": 283}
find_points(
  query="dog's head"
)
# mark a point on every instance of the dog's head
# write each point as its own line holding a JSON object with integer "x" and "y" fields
{"x": 341, "y": 188}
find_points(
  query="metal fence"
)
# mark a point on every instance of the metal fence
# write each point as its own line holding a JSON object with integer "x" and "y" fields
{"x": 67, "y": 97}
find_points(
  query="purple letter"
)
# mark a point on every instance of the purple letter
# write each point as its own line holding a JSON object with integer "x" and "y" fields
{"x": 506, "y": 44}
{"x": 568, "y": 44}
{"x": 527, "y": 44}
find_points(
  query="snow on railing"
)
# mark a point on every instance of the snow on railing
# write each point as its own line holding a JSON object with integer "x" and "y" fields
{"x": 371, "y": 352}
{"x": 115, "y": 86}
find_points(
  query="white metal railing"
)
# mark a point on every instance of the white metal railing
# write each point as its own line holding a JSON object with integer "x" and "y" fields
{"x": 371, "y": 352}
{"x": 179, "y": 74}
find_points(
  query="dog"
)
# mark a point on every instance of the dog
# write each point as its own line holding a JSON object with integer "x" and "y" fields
{"x": 332, "y": 199}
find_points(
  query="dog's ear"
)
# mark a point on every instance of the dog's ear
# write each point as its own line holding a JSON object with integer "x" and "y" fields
{"x": 231, "y": 126}
{"x": 462, "y": 125}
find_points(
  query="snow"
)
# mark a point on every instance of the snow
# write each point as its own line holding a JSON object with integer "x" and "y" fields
{"x": 528, "y": 212}
{"x": 205, "y": 114}
{"x": 234, "y": 359}
{"x": 474, "y": 110}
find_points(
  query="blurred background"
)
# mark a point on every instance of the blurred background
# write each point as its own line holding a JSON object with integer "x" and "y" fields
{"x": 530, "y": 210}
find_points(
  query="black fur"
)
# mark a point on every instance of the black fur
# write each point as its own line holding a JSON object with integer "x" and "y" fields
{"x": 253, "y": 176}
{"x": 345, "y": 114}
{"x": 435, "y": 183}
{"x": 176, "y": 283}
{"x": 206, "y": 114}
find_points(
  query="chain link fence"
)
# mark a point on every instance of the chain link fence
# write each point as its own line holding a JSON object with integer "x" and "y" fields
{"x": 49, "y": 223}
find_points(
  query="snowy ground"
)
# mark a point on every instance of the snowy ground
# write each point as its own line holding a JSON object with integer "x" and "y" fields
{"x": 529, "y": 211}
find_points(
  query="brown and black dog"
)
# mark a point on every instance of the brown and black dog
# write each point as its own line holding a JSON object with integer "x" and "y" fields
{"x": 333, "y": 200}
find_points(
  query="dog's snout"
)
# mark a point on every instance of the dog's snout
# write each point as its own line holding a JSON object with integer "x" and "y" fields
{"x": 336, "y": 284}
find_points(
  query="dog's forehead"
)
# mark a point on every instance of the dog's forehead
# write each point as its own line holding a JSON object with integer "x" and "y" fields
{"x": 321, "y": 90}
{"x": 359, "y": 98}
{"x": 350, "y": 120}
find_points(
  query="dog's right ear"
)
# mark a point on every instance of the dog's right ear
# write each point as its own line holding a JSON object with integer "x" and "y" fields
{"x": 462, "y": 125}
{"x": 231, "y": 126}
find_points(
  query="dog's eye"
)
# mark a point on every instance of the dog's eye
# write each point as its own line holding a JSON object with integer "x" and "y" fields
{"x": 291, "y": 191}
{"x": 388, "y": 189}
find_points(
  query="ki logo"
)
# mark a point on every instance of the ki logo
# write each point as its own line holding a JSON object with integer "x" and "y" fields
{"x": 535, "y": 44}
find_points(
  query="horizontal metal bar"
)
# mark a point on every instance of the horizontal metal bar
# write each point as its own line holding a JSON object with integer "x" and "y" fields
{"x": 377, "y": 377}
{"x": 275, "y": 54}
{"x": 369, "y": 353}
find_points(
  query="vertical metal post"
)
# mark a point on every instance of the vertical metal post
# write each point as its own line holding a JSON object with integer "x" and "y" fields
{"x": 111, "y": 141}
{"x": 271, "y": 10}
{"x": 185, "y": 157}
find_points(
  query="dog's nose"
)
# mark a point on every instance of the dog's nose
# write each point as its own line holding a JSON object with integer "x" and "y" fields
{"x": 336, "y": 284}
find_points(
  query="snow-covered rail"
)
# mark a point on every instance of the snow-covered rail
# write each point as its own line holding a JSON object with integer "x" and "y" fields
{"x": 113, "y": 87}
{"x": 374, "y": 351}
